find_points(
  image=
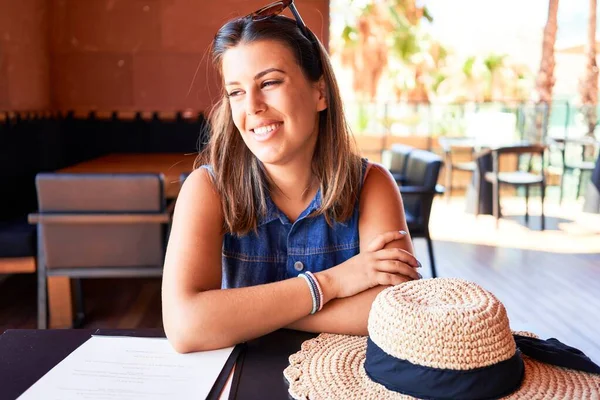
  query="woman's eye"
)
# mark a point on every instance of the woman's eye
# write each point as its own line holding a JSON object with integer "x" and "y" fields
{"x": 270, "y": 83}
{"x": 234, "y": 93}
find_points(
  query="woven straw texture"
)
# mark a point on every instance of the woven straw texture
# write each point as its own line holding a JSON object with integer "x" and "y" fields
{"x": 442, "y": 323}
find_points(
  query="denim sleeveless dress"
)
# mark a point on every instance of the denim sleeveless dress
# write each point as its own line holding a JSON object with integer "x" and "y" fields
{"x": 280, "y": 249}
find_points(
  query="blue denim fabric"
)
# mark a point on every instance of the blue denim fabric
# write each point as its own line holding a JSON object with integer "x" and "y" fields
{"x": 270, "y": 254}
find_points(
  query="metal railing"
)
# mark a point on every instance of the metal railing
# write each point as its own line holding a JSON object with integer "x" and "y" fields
{"x": 515, "y": 119}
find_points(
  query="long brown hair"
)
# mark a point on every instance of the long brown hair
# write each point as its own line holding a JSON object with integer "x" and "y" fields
{"x": 238, "y": 174}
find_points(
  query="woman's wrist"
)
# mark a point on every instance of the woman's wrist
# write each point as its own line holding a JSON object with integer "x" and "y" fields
{"x": 328, "y": 285}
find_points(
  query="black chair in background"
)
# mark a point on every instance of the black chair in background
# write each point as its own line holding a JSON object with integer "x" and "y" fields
{"x": 418, "y": 191}
{"x": 98, "y": 226}
{"x": 17, "y": 246}
{"x": 518, "y": 177}
{"x": 395, "y": 160}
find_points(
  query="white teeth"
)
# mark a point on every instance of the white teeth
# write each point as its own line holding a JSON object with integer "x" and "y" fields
{"x": 263, "y": 130}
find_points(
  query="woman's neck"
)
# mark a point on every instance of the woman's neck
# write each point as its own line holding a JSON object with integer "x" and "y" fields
{"x": 292, "y": 183}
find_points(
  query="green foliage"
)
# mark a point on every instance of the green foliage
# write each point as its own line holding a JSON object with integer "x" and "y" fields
{"x": 494, "y": 61}
{"x": 349, "y": 35}
{"x": 442, "y": 53}
{"x": 468, "y": 66}
{"x": 368, "y": 9}
{"x": 427, "y": 15}
{"x": 362, "y": 118}
{"x": 438, "y": 78}
{"x": 405, "y": 38}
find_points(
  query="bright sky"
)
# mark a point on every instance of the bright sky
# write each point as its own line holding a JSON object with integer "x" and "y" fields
{"x": 475, "y": 27}
{"x": 509, "y": 18}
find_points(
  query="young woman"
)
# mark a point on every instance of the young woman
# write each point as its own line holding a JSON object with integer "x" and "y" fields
{"x": 283, "y": 224}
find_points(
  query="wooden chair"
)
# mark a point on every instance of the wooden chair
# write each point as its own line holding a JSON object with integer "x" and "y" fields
{"x": 98, "y": 225}
{"x": 454, "y": 147}
{"x": 517, "y": 177}
{"x": 420, "y": 188}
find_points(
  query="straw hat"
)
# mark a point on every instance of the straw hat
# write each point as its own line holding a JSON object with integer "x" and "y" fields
{"x": 439, "y": 338}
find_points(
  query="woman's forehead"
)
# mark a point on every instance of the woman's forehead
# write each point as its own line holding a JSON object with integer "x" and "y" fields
{"x": 248, "y": 59}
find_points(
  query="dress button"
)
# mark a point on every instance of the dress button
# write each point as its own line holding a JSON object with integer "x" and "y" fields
{"x": 298, "y": 266}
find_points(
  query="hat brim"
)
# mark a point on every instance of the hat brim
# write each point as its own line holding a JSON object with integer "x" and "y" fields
{"x": 331, "y": 367}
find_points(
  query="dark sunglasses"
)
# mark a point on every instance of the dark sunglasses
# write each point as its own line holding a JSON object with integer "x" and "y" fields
{"x": 277, "y": 8}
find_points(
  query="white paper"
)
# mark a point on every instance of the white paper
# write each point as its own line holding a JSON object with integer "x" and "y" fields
{"x": 110, "y": 367}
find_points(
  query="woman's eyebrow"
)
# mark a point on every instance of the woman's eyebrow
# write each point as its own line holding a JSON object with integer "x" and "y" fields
{"x": 259, "y": 75}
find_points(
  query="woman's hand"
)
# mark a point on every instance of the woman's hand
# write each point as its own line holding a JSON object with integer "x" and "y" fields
{"x": 373, "y": 267}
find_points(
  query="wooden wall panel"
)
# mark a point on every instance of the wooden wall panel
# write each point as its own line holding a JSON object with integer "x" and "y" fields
{"x": 134, "y": 55}
{"x": 160, "y": 47}
{"x": 24, "y": 55}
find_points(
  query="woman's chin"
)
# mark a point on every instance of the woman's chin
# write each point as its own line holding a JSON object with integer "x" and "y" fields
{"x": 270, "y": 159}
{"x": 266, "y": 156}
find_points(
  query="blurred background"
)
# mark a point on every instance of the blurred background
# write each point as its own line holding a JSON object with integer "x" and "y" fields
{"x": 485, "y": 113}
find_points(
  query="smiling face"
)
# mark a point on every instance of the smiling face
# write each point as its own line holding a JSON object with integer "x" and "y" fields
{"x": 273, "y": 105}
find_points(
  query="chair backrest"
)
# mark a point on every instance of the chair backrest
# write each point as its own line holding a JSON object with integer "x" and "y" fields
{"x": 396, "y": 157}
{"x": 422, "y": 170}
{"x": 575, "y": 150}
{"x": 533, "y": 151}
{"x": 457, "y": 144}
{"x": 101, "y": 244}
{"x": 521, "y": 149}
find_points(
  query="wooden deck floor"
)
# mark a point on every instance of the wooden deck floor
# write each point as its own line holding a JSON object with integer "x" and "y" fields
{"x": 548, "y": 281}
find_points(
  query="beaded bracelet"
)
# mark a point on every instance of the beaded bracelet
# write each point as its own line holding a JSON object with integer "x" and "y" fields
{"x": 316, "y": 282}
{"x": 315, "y": 289}
{"x": 313, "y": 293}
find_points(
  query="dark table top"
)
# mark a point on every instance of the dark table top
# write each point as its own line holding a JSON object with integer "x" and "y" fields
{"x": 26, "y": 355}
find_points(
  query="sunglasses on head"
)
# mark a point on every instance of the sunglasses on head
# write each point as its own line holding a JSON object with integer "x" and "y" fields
{"x": 277, "y": 8}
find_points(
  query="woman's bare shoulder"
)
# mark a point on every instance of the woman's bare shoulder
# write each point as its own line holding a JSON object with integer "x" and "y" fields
{"x": 380, "y": 207}
{"x": 199, "y": 194}
{"x": 378, "y": 178}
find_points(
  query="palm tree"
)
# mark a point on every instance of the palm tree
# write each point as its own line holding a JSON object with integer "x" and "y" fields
{"x": 545, "y": 79}
{"x": 417, "y": 52}
{"x": 589, "y": 83}
{"x": 382, "y": 30}
{"x": 365, "y": 50}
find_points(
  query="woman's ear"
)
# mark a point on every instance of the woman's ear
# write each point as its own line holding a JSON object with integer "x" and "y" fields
{"x": 322, "y": 89}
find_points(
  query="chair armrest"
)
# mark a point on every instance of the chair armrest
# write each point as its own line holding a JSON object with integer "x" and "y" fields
{"x": 399, "y": 178}
{"x": 57, "y": 218}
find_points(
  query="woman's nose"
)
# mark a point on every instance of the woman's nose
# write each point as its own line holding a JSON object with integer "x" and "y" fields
{"x": 254, "y": 103}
